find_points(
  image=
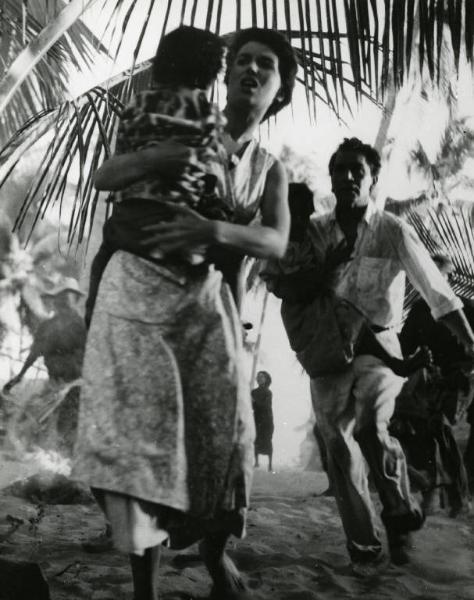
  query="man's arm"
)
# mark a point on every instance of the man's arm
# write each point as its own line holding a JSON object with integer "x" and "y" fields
{"x": 433, "y": 287}
{"x": 32, "y": 357}
{"x": 457, "y": 323}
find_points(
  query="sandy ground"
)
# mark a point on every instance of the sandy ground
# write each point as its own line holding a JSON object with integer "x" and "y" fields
{"x": 294, "y": 550}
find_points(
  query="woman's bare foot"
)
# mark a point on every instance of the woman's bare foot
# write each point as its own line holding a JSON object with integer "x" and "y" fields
{"x": 227, "y": 581}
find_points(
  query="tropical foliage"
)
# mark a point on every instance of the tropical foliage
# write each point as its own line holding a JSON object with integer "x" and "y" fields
{"x": 348, "y": 50}
{"x": 442, "y": 218}
{"x": 21, "y": 22}
{"x": 446, "y": 175}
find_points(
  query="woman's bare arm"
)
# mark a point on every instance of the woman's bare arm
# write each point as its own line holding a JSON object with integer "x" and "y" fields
{"x": 267, "y": 240}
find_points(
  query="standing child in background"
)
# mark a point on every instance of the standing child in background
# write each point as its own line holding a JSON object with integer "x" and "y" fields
{"x": 303, "y": 289}
{"x": 174, "y": 108}
{"x": 263, "y": 415}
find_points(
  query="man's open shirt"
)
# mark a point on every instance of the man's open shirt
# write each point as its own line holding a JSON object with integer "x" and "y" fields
{"x": 386, "y": 249}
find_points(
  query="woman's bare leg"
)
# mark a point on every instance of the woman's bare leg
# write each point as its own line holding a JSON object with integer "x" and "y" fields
{"x": 145, "y": 574}
{"x": 270, "y": 459}
{"x": 228, "y": 583}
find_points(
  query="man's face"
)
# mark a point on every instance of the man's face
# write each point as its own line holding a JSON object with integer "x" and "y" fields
{"x": 351, "y": 179}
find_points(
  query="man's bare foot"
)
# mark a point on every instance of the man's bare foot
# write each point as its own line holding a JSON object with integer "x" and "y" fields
{"x": 227, "y": 581}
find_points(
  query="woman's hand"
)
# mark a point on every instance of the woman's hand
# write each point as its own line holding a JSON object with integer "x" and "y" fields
{"x": 187, "y": 231}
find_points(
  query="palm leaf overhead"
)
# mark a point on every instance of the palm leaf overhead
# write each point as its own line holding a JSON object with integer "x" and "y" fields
{"x": 20, "y": 25}
{"x": 348, "y": 50}
{"x": 37, "y": 48}
{"x": 444, "y": 228}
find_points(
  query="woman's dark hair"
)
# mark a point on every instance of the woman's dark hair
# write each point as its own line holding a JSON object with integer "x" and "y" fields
{"x": 287, "y": 64}
{"x": 268, "y": 378}
{"x": 300, "y": 200}
{"x": 355, "y": 145}
{"x": 188, "y": 56}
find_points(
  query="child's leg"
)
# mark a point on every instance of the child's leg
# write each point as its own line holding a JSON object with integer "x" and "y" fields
{"x": 270, "y": 460}
{"x": 99, "y": 263}
{"x": 145, "y": 574}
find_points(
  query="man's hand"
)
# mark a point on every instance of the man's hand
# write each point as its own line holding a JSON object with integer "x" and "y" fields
{"x": 469, "y": 348}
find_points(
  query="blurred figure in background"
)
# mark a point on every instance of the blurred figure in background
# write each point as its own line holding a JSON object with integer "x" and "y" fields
{"x": 60, "y": 341}
{"x": 429, "y": 406}
{"x": 263, "y": 414}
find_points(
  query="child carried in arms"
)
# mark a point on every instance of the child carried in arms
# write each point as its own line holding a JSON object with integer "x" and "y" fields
{"x": 174, "y": 108}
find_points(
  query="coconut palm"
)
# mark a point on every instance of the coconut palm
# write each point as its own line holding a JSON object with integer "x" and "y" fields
{"x": 348, "y": 50}
{"x": 21, "y": 24}
{"x": 446, "y": 174}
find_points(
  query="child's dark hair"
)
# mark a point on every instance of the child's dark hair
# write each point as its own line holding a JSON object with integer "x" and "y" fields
{"x": 287, "y": 64}
{"x": 188, "y": 56}
{"x": 356, "y": 145}
{"x": 268, "y": 377}
{"x": 300, "y": 200}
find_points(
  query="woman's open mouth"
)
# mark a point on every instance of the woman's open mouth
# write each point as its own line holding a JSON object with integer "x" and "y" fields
{"x": 248, "y": 83}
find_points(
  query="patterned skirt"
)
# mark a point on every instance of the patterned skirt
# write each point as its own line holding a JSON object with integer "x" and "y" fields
{"x": 165, "y": 418}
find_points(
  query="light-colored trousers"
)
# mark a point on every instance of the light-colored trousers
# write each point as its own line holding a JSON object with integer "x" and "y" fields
{"x": 353, "y": 410}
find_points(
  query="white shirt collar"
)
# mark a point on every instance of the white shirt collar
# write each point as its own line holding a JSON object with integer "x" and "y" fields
{"x": 368, "y": 215}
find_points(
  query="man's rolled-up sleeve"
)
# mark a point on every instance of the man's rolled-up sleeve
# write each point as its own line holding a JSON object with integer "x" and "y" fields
{"x": 424, "y": 275}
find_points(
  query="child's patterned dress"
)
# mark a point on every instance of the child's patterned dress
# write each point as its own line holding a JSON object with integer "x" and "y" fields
{"x": 186, "y": 116}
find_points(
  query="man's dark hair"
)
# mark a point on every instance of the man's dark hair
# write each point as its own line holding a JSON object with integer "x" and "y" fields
{"x": 300, "y": 200}
{"x": 287, "y": 64}
{"x": 355, "y": 145}
{"x": 188, "y": 56}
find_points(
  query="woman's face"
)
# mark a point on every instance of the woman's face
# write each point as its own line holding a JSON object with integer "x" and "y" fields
{"x": 254, "y": 78}
{"x": 261, "y": 379}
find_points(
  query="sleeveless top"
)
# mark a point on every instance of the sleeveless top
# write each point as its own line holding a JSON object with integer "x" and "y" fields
{"x": 244, "y": 188}
{"x": 246, "y": 180}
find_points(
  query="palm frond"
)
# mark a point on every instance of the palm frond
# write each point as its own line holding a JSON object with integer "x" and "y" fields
{"x": 83, "y": 137}
{"x": 446, "y": 228}
{"x": 348, "y": 50}
{"x": 46, "y": 86}
{"x": 37, "y": 48}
